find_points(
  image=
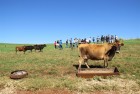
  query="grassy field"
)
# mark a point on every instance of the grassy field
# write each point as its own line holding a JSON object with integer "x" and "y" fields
{"x": 53, "y": 69}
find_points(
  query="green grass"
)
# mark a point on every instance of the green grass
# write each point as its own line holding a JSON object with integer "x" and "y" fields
{"x": 53, "y": 68}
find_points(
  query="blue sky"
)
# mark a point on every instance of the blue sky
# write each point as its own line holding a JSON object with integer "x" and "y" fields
{"x": 44, "y": 21}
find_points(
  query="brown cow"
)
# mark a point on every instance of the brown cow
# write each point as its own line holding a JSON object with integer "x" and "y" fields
{"x": 97, "y": 52}
{"x": 20, "y": 48}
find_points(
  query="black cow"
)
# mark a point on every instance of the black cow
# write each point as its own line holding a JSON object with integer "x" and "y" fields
{"x": 29, "y": 48}
{"x": 39, "y": 47}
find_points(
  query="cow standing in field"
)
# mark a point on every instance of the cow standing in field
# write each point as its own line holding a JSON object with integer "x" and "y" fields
{"x": 20, "y": 48}
{"x": 24, "y": 48}
{"x": 39, "y": 47}
{"x": 98, "y": 52}
{"x": 29, "y": 48}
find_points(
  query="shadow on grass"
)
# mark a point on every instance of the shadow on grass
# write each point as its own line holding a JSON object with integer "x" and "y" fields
{"x": 91, "y": 66}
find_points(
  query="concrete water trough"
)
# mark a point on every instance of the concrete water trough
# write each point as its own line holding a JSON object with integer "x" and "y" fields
{"x": 96, "y": 71}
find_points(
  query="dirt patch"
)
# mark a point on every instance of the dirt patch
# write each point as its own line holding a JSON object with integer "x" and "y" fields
{"x": 60, "y": 91}
{"x": 8, "y": 88}
{"x": 47, "y": 91}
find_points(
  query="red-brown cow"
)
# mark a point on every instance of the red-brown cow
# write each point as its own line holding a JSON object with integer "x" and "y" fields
{"x": 97, "y": 52}
{"x": 20, "y": 48}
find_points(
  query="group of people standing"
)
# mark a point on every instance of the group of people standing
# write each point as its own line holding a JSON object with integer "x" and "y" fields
{"x": 58, "y": 44}
{"x": 108, "y": 39}
{"x": 70, "y": 43}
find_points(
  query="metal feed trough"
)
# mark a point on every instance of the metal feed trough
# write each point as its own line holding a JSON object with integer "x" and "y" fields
{"x": 18, "y": 74}
{"x": 95, "y": 71}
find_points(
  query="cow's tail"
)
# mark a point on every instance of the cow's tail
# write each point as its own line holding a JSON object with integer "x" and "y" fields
{"x": 79, "y": 52}
{"x": 16, "y": 50}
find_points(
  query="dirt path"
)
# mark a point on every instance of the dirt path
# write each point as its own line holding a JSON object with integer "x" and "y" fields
{"x": 8, "y": 88}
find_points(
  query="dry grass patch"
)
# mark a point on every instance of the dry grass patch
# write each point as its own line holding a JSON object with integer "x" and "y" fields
{"x": 122, "y": 86}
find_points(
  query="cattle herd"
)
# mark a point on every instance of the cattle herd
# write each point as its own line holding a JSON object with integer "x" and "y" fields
{"x": 30, "y": 47}
{"x": 105, "y": 51}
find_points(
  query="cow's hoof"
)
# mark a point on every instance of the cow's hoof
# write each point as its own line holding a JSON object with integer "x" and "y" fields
{"x": 18, "y": 74}
{"x": 79, "y": 70}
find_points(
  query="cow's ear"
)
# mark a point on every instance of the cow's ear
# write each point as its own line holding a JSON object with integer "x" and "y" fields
{"x": 117, "y": 40}
{"x": 114, "y": 44}
{"x": 122, "y": 44}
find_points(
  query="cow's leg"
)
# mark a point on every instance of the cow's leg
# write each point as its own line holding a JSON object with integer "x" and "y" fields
{"x": 106, "y": 62}
{"x": 86, "y": 62}
{"x": 87, "y": 65}
{"x": 24, "y": 51}
{"x": 79, "y": 68}
{"x": 16, "y": 50}
{"x": 81, "y": 60}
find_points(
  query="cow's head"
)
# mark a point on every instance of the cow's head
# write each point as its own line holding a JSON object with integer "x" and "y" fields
{"x": 118, "y": 44}
{"x": 44, "y": 45}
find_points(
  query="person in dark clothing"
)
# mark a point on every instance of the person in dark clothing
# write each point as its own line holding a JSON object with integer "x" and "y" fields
{"x": 71, "y": 46}
{"x": 67, "y": 43}
{"x": 60, "y": 44}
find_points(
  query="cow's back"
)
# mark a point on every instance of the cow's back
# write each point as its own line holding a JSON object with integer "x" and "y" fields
{"x": 29, "y": 47}
{"x": 93, "y": 51}
{"x": 19, "y": 48}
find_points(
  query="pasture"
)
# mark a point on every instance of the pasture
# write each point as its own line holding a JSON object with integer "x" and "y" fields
{"x": 52, "y": 71}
